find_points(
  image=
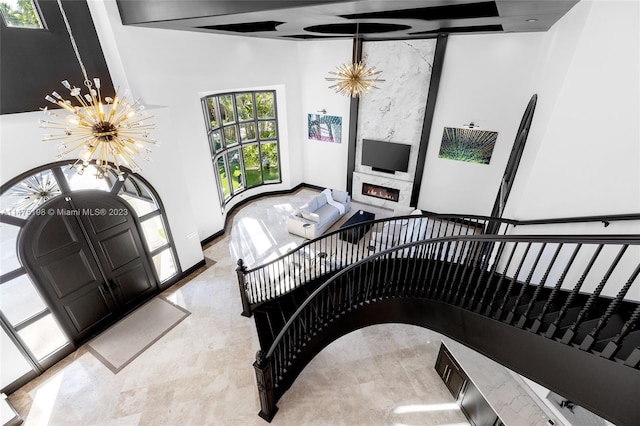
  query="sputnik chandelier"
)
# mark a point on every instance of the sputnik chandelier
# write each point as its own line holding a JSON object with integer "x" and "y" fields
{"x": 355, "y": 78}
{"x": 116, "y": 132}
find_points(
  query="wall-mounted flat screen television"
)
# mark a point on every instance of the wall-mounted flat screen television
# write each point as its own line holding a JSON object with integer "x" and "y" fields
{"x": 388, "y": 157}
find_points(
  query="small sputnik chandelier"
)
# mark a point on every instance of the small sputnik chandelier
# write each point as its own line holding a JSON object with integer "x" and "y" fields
{"x": 355, "y": 78}
{"x": 111, "y": 130}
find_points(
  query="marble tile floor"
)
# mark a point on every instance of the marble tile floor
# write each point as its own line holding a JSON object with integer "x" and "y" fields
{"x": 200, "y": 373}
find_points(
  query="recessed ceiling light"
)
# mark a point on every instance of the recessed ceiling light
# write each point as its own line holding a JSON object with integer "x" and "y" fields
{"x": 532, "y": 20}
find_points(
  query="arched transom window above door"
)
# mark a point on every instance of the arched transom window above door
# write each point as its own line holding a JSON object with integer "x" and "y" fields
{"x": 22, "y": 309}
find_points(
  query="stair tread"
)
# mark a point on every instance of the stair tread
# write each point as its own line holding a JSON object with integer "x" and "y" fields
{"x": 629, "y": 343}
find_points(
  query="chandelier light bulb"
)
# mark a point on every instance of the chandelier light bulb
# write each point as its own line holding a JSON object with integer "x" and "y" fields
{"x": 104, "y": 132}
{"x": 354, "y": 79}
{"x": 113, "y": 131}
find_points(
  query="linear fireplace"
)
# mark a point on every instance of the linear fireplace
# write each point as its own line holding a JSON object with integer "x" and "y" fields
{"x": 383, "y": 192}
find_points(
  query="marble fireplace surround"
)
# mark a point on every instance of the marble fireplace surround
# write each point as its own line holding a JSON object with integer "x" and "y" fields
{"x": 405, "y": 187}
{"x": 393, "y": 113}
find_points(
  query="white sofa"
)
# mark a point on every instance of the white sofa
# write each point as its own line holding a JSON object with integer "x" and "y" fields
{"x": 318, "y": 214}
{"x": 413, "y": 226}
{"x": 400, "y": 231}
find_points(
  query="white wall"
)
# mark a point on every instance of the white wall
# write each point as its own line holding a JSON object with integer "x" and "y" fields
{"x": 582, "y": 155}
{"x": 170, "y": 71}
{"x": 22, "y": 149}
{"x": 488, "y": 80}
{"x": 175, "y": 69}
{"x": 323, "y": 163}
{"x": 588, "y": 161}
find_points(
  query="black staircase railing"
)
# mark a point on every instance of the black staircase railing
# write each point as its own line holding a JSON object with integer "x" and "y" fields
{"x": 331, "y": 252}
{"x": 573, "y": 290}
{"x": 335, "y": 250}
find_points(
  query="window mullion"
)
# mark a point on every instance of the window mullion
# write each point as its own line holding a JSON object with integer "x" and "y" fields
{"x": 33, "y": 318}
{"x": 12, "y": 275}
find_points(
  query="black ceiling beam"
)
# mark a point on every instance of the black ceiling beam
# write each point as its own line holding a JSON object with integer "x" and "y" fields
{"x": 485, "y": 9}
{"x": 33, "y": 62}
{"x": 145, "y": 11}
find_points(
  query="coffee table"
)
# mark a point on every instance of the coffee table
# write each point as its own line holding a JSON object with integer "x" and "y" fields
{"x": 354, "y": 235}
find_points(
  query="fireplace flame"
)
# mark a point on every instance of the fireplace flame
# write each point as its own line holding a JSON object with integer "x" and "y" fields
{"x": 382, "y": 192}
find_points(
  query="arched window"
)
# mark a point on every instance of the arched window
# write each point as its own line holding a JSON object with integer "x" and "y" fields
{"x": 243, "y": 138}
{"x": 24, "y": 316}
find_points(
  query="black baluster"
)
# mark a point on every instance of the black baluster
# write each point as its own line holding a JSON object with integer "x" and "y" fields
{"x": 379, "y": 284}
{"x": 387, "y": 283}
{"x": 431, "y": 223}
{"x": 454, "y": 280}
{"x": 490, "y": 278}
{"x": 419, "y": 265}
{"x": 370, "y": 277}
{"x": 500, "y": 309}
{"x": 413, "y": 267}
{"x": 534, "y": 298}
{"x": 512, "y": 313}
{"x": 263, "y": 283}
{"x": 571, "y": 332}
{"x": 387, "y": 238}
{"x": 440, "y": 222}
{"x": 484, "y": 262}
{"x": 427, "y": 275}
{"x": 470, "y": 266}
{"x": 445, "y": 283}
{"x": 444, "y": 247}
{"x": 614, "y": 346}
{"x": 422, "y": 265}
{"x": 588, "y": 342}
{"x": 273, "y": 281}
{"x": 433, "y": 284}
{"x": 489, "y": 308}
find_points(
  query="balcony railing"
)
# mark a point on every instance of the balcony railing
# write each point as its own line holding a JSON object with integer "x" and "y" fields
{"x": 335, "y": 250}
{"x": 573, "y": 290}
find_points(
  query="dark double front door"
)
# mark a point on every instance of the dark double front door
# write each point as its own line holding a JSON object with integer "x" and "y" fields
{"x": 85, "y": 253}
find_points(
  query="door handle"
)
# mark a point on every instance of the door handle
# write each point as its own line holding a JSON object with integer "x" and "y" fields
{"x": 448, "y": 375}
{"x": 445, "y": 372}
{"x": 104, "y": 289}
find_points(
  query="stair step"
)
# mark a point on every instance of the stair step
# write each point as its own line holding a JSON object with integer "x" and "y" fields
{"x": 624, "y": 350}
{"x": 589, "y": 321}
{"x": 610, "y": 330}
{"x": 565, "y": 323}
{"x": 533, "y": 314}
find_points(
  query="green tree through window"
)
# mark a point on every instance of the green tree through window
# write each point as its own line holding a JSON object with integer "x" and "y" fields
{"x": 243, "y": 138}
{"x": 20, "y": 13}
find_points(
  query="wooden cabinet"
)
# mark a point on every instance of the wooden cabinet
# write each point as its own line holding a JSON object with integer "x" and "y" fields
{"x": 473, "y": 404}
{"x": 476, "y": 408}
{"x": 450, "y": 372}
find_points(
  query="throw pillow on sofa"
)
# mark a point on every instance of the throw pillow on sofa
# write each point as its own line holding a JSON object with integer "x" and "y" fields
{"x": 321, "y": 200}
{"x": 340, "y": 196}
{"x": 312, "y": 205}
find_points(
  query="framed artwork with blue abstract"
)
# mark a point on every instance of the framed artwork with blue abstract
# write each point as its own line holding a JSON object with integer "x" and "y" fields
{"x": 325, "y": 128}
